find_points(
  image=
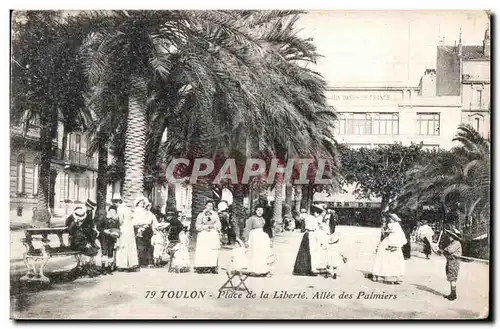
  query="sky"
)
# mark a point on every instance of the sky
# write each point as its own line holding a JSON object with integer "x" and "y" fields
{"x": 386, "y": 47}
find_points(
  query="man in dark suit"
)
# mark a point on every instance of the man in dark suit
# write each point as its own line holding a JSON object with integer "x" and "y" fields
{"x": 333, "y": 220}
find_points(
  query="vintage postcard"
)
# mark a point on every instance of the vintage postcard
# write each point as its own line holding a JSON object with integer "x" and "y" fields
{"x": 250, "y": 164}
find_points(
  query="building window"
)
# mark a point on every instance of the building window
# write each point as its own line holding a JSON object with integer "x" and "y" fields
{"x": 87, "y": 186}
{"x": 428, "y": 124}
{"x": 386, "y": 124}
{"x": 21, "y": 173}
{"x": 360, "y": 124}
{"x": 341, "y": 124}
{"x": 78, "y": 142}
{"x": 476, "y": 124}
{"x": 479, "y": 98}
{"x": 76, "y": 188}
{"x": 66, "y": 186}
{"x": 36, "y": 175}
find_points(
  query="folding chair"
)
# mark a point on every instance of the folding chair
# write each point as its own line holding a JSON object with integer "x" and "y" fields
{"x": 229, "y": 285}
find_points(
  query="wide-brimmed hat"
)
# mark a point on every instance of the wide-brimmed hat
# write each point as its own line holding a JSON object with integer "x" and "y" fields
{"x": 223, "y": 205}
{"x": 316, "y": 208}
{"x": 454, "y": 232}
{"x": 334, "y": 238}
{"x": 91, "y": 204}
{"x": 394, "y": 217}
{"x": 79, "y": 213}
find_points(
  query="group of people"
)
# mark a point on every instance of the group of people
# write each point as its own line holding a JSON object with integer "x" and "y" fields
{"x": 127, "y": 239}
{"x": 133, "y": 238}
{"x": 256, "y": 241}
{"x": 389, "y": 265}
{"x": 298, "y": 221}
{"x": 319, "y": 251}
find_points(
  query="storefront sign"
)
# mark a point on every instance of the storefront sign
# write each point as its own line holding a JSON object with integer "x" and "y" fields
{"x": 364, "y": 97}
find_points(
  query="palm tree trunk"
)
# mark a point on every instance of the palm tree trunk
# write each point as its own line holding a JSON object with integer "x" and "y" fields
{"x": 298, "y": 197}
{"x": 239, "y": 211}
{"x": 64, "y": 144}
{"x": 263, "y": 193}
{"x": 171, "y": 201}
{"x": 135, "y": 145}
{"x": 41, "y": 217}
{"x": 306, "y": 200}
{"x": 202, "y": 132}
{"x": 278, "y": 203}
{"x": 201, "y": 193}
{"x": 288, "y": 199}
{"x": 101, "y": 183}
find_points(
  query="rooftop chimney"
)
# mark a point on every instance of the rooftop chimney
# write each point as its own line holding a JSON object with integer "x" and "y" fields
{"x": 487, "y": 43}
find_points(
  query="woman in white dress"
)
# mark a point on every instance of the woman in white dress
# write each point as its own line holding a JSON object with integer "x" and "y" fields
{"x": 143, "y": 232}
{"x": 208, "y": 240}
{"x": 126, "y": 253}
{"x": 258, "y": 243}
{"x": 389, "y": 265}
{"x": 310, "y": 257}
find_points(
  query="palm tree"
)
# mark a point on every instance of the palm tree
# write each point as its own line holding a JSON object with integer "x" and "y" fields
{"x": 132, "y": 53}
{"x": 276, "y": 107}
{"x": 460, "y": 176}
{"x": 47, "y": 84}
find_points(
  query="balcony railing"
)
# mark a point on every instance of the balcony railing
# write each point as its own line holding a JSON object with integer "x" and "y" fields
{"x": 32, "y": 132}
{"x": 78, "y": 158}
{"x": 479, "y": 106}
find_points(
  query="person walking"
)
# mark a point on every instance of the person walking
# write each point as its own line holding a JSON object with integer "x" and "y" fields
{"x": 424, "y": 234}
{"x": 208, "y": 241}
{"x": 389, "y": 266}
{"x": 109, "y": 230}
{"x": 309, "y": 257}
{"x": 450, "y": 246}
{"x": 333, "y": 220}
{"x": 257, "y": 242}
{"x": 126, "y": 253}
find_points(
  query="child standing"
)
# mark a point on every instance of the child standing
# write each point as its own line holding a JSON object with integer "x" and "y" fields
{"x": 452, "y": 250}
{"x": 158, "y": 242}
{"x": 334, "y": 256}
{"x": 180, "y": 261}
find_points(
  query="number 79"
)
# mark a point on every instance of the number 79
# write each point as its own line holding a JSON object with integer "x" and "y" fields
{"x": 150, "y": 294}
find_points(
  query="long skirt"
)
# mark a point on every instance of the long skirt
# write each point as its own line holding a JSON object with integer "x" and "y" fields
{"x": 126, "y": 254}
{"x": 144, "y": 247}
{"x": 389, "y": 266}
{"x": 310, "y": 258}
{"x": 427, "y": 247}
{"x": 180, "y": 258}
{"x": 207, "y": 249}
{"x": 258, "y": 252}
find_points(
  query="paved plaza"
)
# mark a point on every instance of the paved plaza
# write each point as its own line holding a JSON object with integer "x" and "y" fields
{"x": 351, "y": 296}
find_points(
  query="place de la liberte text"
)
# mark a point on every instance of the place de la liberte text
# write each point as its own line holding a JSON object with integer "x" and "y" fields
{"x": 275, "y": 294}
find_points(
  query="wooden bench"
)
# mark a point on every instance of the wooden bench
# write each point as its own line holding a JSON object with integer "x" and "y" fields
{"x": 34, "y": 257}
